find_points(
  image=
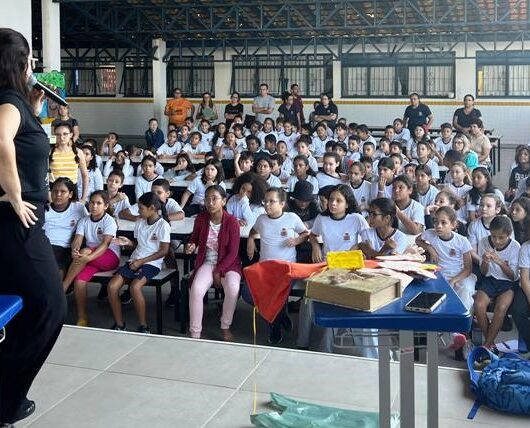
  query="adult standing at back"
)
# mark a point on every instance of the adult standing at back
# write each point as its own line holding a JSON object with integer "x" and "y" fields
{"x": 263, "y": 104}
{"x": 27, "y": 262}
{"x": 465, "y": 115}
{"x": 178, "y": 109}
{"x": 65, "y": 118}
{"x": 326, "y": 111}
{"x": 417, "y": 114}
{"x": 289, "y": 111}
{"x": 297, "y": 101}
{"x": 207, "y": 109}
{"x": 233, "y": 109}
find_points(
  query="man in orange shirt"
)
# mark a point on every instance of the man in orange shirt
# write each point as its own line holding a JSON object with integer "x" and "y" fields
{"x": 178, "y": 108}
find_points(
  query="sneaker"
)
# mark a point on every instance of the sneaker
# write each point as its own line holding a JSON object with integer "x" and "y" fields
{"x": 286, "y": 323}
{"x": 143, "y": 329}
{"x": 117, "y": 327}
{"x": 125, "y": 297}
{"x": 459, "y": 340}
{"x": 275, "y": 334}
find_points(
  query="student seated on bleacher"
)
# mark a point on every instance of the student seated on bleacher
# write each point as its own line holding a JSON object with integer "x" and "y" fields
{"x": 152, "y": 235}
{"x": 100, "y": 254}
{"x": 215, "y": 237}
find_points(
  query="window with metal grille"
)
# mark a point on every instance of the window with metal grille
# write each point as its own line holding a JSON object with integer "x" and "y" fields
{"x": 192, "y": 75}
{"x": 312, "y": 73}
{"x": 384, "y": 76}
{"x": 503, "y": 74}
{"x": 89, "y": 79}
{"x": 137, "y": 78}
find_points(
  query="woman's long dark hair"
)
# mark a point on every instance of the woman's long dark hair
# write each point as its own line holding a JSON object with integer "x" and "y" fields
{"x": 14, "y": 53}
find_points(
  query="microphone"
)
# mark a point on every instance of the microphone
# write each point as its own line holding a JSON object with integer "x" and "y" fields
{"x": 34, "y": 83}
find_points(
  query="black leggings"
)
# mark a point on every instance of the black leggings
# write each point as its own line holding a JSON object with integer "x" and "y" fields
{"x": 29, "y": 270}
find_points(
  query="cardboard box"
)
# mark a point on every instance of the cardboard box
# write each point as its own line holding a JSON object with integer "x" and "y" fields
{"x": 352, "y": 289}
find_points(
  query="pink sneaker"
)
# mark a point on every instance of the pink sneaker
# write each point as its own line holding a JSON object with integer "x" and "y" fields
{"x": 459, "y": 340}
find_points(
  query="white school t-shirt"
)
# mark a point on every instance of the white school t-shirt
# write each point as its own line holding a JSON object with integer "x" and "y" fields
{"x": 93, "y": 231}
{"x": 173, "y": 207}
{"x": 241, "y": 209}
{"x": 318, "y": 146}
{"x": 143, "y": 185}
{"x": 362, "y": 193}
{"x": 293, "y": 179}
{"x": 461, "y": 193}
{"x": 442, "y": 147}
{"x": 206, "y": 141}
{"x": 95, "y": 181}
{"x": 339, "y": 235}
{"x": 509, "y": 254}
{"x": 387, "y": 193}
{"x": 60, "y": 226}
{"x": 261, "y": 136}
{"x": 327, "y": 180}
{"x": 149, "y": 237}
{"x": 166, "y": 149}
{"x": 198, "y": 188}
{"x": 290, "y": 139}
{"x": 159, "y": 169}
{"x": 428, "y": 197}
{"x": 273, "y": 234}
{"x": 450, "y": 253}
{"x": 119, "y": 206}
{"x": 197, "y": 150}
{"x": 415, "y": 212}
{"x": 117, "y": 148}
{"x": 273, "y": 181}
{"x": 376, "y": 242}
{"x": 476, "y": 231}
{"x": 524, "y": 256}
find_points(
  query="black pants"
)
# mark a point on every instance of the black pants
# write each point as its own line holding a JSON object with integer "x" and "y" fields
{"x": 27, "y": 269}
{"x": 520, "y": 311}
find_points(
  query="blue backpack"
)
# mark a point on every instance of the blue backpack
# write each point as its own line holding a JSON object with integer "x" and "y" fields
{"x": 504, "y": 384}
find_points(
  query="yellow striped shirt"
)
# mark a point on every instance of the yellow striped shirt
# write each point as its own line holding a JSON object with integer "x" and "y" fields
{"x": 63, "y": 164}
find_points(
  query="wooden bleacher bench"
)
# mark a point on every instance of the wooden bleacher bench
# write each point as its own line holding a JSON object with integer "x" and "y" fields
{"x": 164, "y": 276}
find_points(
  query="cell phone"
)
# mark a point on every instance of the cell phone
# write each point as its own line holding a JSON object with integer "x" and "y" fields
{"x": 425, "y": 302}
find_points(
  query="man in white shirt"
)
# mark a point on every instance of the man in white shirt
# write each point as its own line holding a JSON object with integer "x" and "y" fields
{"x": 263, "y": 104}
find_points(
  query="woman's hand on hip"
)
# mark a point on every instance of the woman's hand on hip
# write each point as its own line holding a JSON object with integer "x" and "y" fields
{"x": 24, "y": 210}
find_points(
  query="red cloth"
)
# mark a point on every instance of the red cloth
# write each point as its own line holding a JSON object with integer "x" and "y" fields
{"x": 228, "y": 251}
{"x": 269, "y": 283}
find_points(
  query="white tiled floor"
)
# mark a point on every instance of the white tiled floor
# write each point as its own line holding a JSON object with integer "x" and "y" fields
{"x": 98, "y": 378}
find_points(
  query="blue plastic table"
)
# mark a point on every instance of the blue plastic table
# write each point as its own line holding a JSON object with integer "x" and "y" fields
{"x": 450, "y": 316}
{"x": 9, "y": 307}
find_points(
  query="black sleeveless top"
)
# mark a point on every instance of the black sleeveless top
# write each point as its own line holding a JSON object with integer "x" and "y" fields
{"x": 32, "y": 148}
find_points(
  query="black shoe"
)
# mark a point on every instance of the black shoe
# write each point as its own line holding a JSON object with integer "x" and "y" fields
{"x": 27, "y": 408}
{"x": 126, "y": 297}
{"x": 286, "y": 323}
{"x": 507, "y": 324}
{"x": 143, "y": 329}
{"x": 275, "y": 334}
{"x": 117, "y": 327}
{"x": 102, "y": 295}
{"x": 459, "y": 355}
{"x": 69, "y": 290}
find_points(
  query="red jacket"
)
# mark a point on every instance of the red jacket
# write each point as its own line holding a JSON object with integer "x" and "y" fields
{"x": 228, "y": 251}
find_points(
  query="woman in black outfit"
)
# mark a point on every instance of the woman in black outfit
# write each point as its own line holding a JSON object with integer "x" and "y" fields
{"x": 27, "y": 265}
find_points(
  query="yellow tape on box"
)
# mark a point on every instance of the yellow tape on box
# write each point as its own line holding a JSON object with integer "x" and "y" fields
{"x": 345, "y": 259}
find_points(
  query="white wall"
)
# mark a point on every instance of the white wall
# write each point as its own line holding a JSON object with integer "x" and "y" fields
{"x": 508, "y": 117}
{"x": 16, "y": 14}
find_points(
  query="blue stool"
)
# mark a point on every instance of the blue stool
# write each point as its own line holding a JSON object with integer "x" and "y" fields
{"x": 9, "y": 307}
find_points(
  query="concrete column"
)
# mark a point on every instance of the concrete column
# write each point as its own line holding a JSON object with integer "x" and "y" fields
{"x": 159, "y": 83}
{"x": 51, "y": 35}
{"x": 337, "y": 80}
{"x": 16, "y": 14}
{"x": 223, "y": 76}
{"x": 119, "y": 67}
